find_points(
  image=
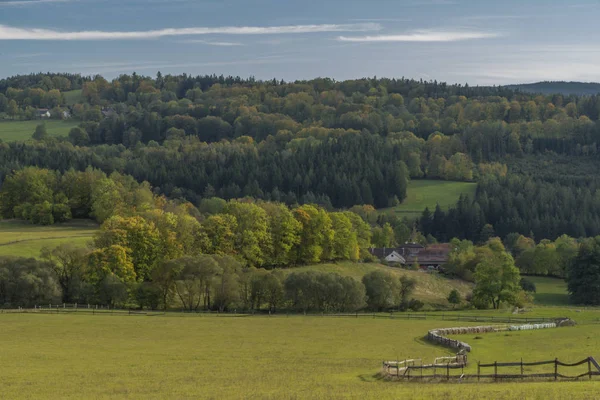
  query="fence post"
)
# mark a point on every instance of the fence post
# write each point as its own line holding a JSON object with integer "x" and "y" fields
{"x": 495, "y": 371}
{"x": 590, "y": 368}
{"x": 448, "y": 371}
{"x": 556, "y": 369}
{"x": 478, "y": 370}
{"x": 521, "y": 367}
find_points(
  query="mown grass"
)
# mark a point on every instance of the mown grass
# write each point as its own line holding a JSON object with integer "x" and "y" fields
{"x": 432, "y": 289}
{"x": 550, "y": 291}
{"x": 190, "y": 357}
{"x": 428, "y": 193}
{"x": 11, "y": 131}
{"x": 26, "y": 240}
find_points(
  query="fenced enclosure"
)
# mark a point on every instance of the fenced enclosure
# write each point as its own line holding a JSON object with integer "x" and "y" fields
{"x": 413, "y": 370}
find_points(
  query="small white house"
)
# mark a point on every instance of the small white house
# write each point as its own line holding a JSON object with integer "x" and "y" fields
{"x": 43, "y": 113}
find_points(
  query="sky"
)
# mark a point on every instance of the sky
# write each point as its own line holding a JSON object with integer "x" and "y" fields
{"x": 480, "y": 42}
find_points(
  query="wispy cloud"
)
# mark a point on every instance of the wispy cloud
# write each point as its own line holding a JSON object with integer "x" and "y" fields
{"x": 422, "y": 36}
{"x": 211, "y": 43}
{"x": 30, "y": 2}
{"x": 380, "y": 20}
{"x": 14, "y": 33}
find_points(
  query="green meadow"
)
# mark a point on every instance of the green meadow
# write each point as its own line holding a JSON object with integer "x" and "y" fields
{"x": 26, "y": 240}
{"x": 224, "y": 357}
{"x": 550, "y": 291}
{"x": 429, "y": 193}
{"x": 11, "y": 131}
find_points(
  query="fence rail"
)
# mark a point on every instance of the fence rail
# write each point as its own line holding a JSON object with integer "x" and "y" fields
{"x": 450, "y": 316}
{"x": 406, "y": 371}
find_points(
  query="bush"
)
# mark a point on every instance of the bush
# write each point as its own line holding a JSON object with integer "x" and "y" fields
{"x": 527, "y": 285}
{"x": 415, "y": 305}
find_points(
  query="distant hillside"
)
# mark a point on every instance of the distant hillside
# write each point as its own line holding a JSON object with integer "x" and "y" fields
{"x": 567, "y": 88}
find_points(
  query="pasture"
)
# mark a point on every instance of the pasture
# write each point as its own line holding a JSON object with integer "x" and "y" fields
{"x": 549, "y": 291}
{"x": 11, "y": 131}
{"x": 427, "y": 193}
{"x": 73, "y": 97}
{"x": 26, "y": 240}
{"x": 217, "y": 357}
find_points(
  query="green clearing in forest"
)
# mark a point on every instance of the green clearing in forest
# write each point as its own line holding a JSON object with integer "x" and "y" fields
{"x": 428, "y": 193}
{"x": 11, "y": 131}
{"x": 26, "y": 240}
{"x": 296, "y": 357}
{"x": 550, "y": 291}
{"x": 73, "y": 97}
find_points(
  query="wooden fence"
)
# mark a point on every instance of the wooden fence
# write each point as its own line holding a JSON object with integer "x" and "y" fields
{"x": 449, "y": 316}
{"x": 409, "y": 371}
{"x": 439, "y": 335}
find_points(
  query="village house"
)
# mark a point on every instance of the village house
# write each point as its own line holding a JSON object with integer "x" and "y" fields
{"x": 428, "y": 258}
{"x": 43, "y": 113}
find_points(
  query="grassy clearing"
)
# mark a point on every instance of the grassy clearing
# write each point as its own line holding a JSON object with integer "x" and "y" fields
{"x": 73, "y": 97}
{"x": 428, "y": 193}
{"x": 188, "y": 357}
{"x": 432, "y": 289}
{"x": 26, "y": 240}
{"x": 550, "y": 291}
{"x": 11, "y": 131}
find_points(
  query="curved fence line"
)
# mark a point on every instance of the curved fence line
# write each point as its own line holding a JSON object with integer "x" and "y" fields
{"x": 439, "y": 335}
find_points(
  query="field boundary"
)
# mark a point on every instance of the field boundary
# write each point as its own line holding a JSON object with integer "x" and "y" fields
{"x": 406, "y": 370}
{"x": 401, "y": 315}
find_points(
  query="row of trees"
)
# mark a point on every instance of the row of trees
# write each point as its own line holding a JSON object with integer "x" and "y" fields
{"x": 204, "y": 282}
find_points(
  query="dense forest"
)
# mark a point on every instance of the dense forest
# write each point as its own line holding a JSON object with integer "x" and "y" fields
{"x": 336, "y": 151}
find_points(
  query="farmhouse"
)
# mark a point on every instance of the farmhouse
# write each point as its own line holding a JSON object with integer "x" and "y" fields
{"x": 431, "y": 257}
{"x": 42, "y": 113}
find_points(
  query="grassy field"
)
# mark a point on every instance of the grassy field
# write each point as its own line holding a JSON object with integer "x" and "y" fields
{"x": 26, "y": 240}
{"x": 432, "y": 289}
{"x": 428, "y": 193}
{"x": 22, "y": 130}
{"x": 550, "y": 291}
{"x": 210, "y": 357}
{"x": 73, "y": 97}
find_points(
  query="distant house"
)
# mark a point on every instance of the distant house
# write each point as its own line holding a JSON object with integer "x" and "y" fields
{"x": 43, "y": 113}
{"x": 390, "y": 255}
{"x": 66, "y": 115}
{"x": 107, "y": 111}
{"x": 428, "y": 258}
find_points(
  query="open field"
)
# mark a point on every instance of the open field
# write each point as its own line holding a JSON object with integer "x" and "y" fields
{"x": 428, "y": 193}
{"x": 26, "y": 240}
{"x": 11, "y": 131}
{"x": 185, "y": 357}
{"x": 549, "y": 291}
{"x": 73, "y": 97}
{"x": 432, "y": 289}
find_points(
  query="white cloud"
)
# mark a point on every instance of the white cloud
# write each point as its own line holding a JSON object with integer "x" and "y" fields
{"x": 13, "y": 33}
{"x": 211, "y": 43}
{"x": 30, "y": 2}
{"x": 422, "y": 36}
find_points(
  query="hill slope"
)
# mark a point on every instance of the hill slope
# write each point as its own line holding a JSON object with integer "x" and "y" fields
{"x": 432, "y": 289}
{"x": 566, "y": 88}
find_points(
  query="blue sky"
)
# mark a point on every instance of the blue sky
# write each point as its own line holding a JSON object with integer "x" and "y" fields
{"x": 479, "y": 42}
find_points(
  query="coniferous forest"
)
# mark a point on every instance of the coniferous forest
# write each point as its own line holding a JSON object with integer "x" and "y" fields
{"x": 285, "y": 173}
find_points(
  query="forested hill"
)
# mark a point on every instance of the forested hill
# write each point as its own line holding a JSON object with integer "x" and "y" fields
{"x": 335, "y": 144}
{"x": 559, "y": 87}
